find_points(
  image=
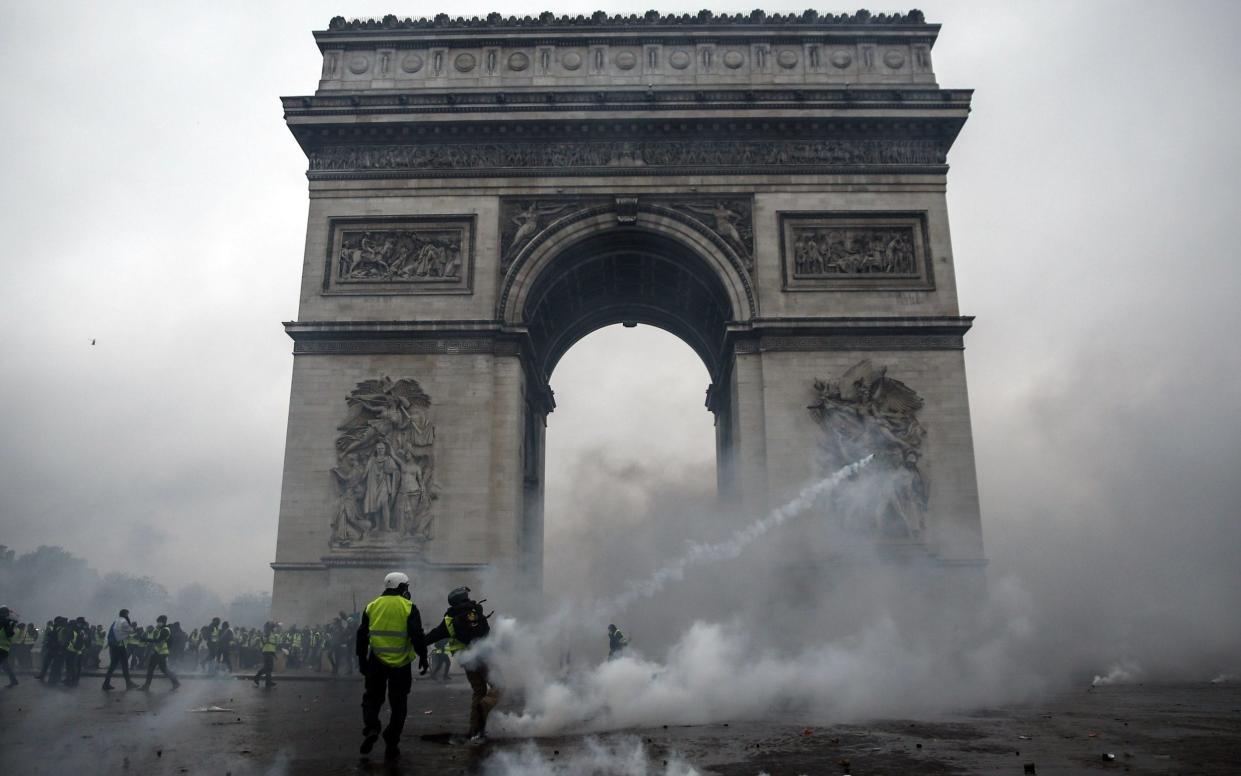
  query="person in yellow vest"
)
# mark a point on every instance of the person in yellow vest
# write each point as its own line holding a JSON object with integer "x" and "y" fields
{"x": 159, "y": 640}
{"x": 8, "y": 637}
{"x": 269, "y": 645}
{"x": 389, "y": 636}
{"x": 465, "y": 626}
{"x": 23, "y": 648}
{"x": 75, "y": 645}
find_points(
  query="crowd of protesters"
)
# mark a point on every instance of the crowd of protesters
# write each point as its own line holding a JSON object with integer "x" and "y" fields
{"x": 60, "y": 651}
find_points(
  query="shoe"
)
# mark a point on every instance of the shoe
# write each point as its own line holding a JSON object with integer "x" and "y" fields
{"x": 392, "y": 753}
{"x": 131, "y": 686}
{"x": 256, "y": 681}
{"x": 12, "y": 684}
{"x": 144, "y": 688}
{"x": 108, "y": 687}
{"x": 176, "y": 686}
{"x": 369, "y": 737}
{"x": 270, "y": 684}
{"x": 478, "y": 739}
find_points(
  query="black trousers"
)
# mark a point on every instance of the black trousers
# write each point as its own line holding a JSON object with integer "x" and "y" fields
{"x": 117, "y": 656}
{"x": 160, "y": 662}
{"x": 269, "y": 665}
{"x": 8, "y": 668}
{"x": 73, "y": 668}
{"x": 382, "y": 679}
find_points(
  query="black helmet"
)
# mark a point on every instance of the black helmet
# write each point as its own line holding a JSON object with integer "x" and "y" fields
{"x": 459, "y": 597}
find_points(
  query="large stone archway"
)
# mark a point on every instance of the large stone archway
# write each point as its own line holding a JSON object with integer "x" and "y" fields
{"x": 484, "y": 193}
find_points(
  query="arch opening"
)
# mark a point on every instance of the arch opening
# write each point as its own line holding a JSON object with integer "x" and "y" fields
{"x": 628, "y": 276}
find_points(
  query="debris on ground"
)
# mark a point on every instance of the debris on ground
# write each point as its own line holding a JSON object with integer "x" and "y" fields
{"x": 209, "y": 709}
{"x": 1108, "y": 757}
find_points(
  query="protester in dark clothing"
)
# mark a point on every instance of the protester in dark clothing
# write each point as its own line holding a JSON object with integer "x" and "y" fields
{"x": 226, "y": 647}
{"x": 464, "y": 624}
{"x": 388, "y": 637}
{"x": 54, "y": 644}
{"x": 118, "y": 634}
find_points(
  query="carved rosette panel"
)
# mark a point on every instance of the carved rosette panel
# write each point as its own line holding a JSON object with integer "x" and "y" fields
{"x": 423, "y": 255}
{"x": 859, "y": 251}
{"x": 384, "y": 478}
{"x": 638, "y": 157}
{"x": 728, "y": 219}
{"x": 866, "y": 412}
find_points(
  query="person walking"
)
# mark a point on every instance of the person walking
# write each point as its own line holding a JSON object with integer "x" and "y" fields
{"x": 8, "y": 637}
{"x": 119, "y": 634}
{"x": 464, "y": 625}
{"x": 388, "y": 637}
{"x": 160, "y": 642}
{"x": 271, "y": 641}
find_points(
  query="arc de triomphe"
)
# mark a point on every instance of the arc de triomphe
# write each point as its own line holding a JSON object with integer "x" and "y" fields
{"x": 485, "y": 192}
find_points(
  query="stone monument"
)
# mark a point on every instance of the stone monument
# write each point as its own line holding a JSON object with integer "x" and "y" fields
{"x": 485, "y": 192}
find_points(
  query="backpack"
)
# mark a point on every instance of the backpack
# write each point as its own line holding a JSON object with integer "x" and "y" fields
{"x": 469, "y": 622}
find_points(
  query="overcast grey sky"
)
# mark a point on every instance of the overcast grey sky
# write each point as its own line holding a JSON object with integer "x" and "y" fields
{"x": 153, "y": 200}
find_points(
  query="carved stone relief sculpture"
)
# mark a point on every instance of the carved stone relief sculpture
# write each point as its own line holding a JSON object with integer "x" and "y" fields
{"x": 860, "y": 250}
{"x": 384, "y": 476}
{"x": 729, "y": 219}
{"x": 401, "y": 256}
{"x": 866, "y": 412}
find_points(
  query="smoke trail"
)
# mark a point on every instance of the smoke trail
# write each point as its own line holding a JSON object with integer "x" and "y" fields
{"x": 733, "y": 547}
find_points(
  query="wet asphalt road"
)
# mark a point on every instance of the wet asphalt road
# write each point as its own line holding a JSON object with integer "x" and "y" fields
{"x": 314, "y": 727}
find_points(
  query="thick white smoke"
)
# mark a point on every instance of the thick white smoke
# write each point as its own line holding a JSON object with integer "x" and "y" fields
{"x": 875, "y": 639}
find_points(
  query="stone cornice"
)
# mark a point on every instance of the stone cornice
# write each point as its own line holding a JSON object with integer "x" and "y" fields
{"x": 937, "y": 332}
{"x": 939, "y": 103}
{"x": 649, "y": 21}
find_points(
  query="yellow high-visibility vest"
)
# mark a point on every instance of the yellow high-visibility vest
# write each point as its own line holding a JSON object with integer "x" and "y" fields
{"x": 454, "y": 645}
{"x": 160, "y": 641}
{"x": 388, "y": 618}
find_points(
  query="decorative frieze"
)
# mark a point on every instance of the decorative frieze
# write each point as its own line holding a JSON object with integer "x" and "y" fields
{"x": 855, "y": 250}
{"x": 627, "y": 157}
{"x": 400, "y": 256}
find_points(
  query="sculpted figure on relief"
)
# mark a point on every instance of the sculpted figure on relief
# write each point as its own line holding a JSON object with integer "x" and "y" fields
{"x": 385, "y": 472}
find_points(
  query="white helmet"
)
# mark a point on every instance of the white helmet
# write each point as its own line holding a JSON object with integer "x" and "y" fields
{"x": 395, "y": 580}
